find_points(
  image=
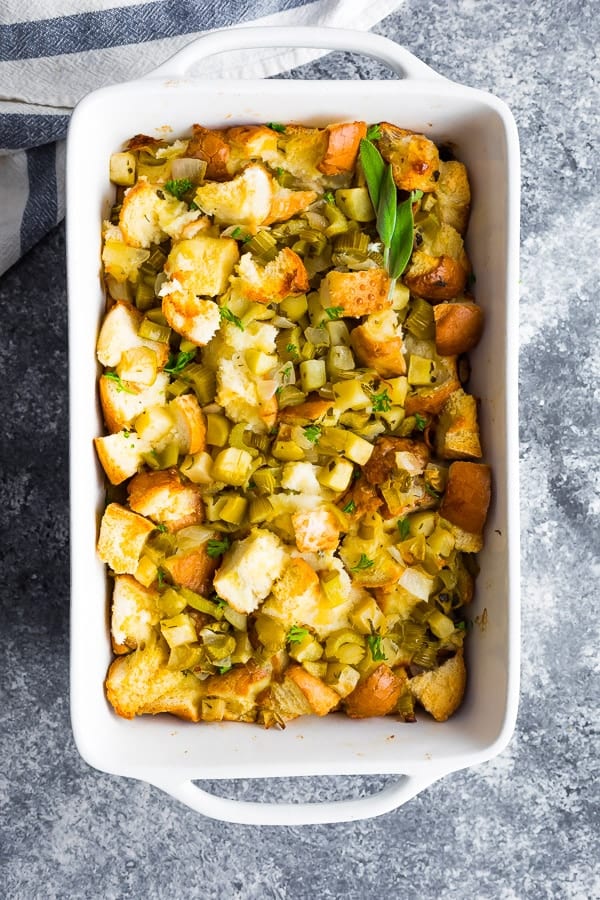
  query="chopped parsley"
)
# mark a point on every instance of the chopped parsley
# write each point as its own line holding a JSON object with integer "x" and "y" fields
{"x": 226, "y": 314}
{"x": 161, "y": 577}
{"x": 363, "y": 563}
{"x": 328, "y": 197}
{"x": 432, "y": 492}
{"x": 421, "y": 422}
{"x": 312, "y": 433}
{"x": 179, "y": 187}
{"x": 350, "y": 507}
{"x": 374, "y": 644}
{"x": 216, "y": 548}
{"x": 237, "y": 232}
{"x": 112, "y": 376}
{"x": 223, "y": 669}
{"x": 160, "y": 527}
{"x": 291, "y": 348}
{"x": 276, "y": 126}
{"x": 381, "y": 402}
{"x": 403, "y": 528}
{"x": 334, "y": 312}
{"x": 296, "y": 634}
{"x": 374, "y": 132}
{"x": 179, "y": 362}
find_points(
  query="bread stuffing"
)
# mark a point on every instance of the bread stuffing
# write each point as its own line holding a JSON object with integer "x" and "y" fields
{"x": 296, "y": 475}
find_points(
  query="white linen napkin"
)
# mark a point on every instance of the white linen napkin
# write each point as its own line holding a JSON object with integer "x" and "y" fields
{"x": 47, "y": 64}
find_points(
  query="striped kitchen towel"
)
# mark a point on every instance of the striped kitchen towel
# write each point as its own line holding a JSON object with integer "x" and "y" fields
{"x": 48, "y": 64}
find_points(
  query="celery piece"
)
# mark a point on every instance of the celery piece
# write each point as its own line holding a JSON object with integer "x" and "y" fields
{"x": 203, "y": 381}
{"x": 261, "y": 510}
{"x": 234, "y": 509}
{"x": 144, "y": 295}
{"x": 267, "y": 480}
{"x": 345, "y": 646}
{"x": 263, "y": 245}
{"x": 217, "y": 429}
{"x": 333, "y": 588}
{"x": 336, "y": 475}
{"x": 307, "y": 649}
{"x": 178, "y": 629}
{"x": 367, "y": 617}
{"x": 232, "y": 466}
{"x": 355, "y": 203}
{"x": 287, "y": 451}
{"x": 154, "y": 331}
{"x": 313, "y": 374}
{"x": 270, "y": 632}
{"x": 339, "y": 359}
{"x": 197, "y": 467}
{"x": 420, "y": 321}
{"x": 294, "y": 307}
{"x": 290, "y": 395}
{"x": 169, "y": 456}
{"x": 442, "y": 626}
{"x": 122, "y": 168}
{"x": 420, "y": 370}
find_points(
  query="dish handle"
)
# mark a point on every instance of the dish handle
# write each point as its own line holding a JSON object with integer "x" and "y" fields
{"x": 243, "y": 812}
{"x": 397, "y": 58}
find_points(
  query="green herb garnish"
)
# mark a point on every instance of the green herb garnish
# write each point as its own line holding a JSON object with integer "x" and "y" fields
{"x": 403, "y": 528}
{"x": 216, "y": 548}
{"x": 160, "y": 575}
{"x": 226, "y": 314}
{"x": 223, "y": 669}
{"x": 363, "y": 563}
{"x": 179, "y": 187}
{"x": 386, "y": 212}
{"x": 291, "y": 348}
{"x": 381, "y": 402}
{"x": 334, "y": 312}
{"x": 421, "y": 422}
{"x": 112, "y": 376}
{"x": 374, "y": 644}
{"x": 276, "y": 126}
{"x": 160, "y": 527}
{"x": 403, "y": 237}
{"x": 350, "y": 507}
{"x": 432, "y": 492}
{"x": 296, "y": 634}
{"x": 179, "y": 362}
{"x": 328, "y": 197}
{"x": 374, "y": 132}
{"x": 312, "y": 433}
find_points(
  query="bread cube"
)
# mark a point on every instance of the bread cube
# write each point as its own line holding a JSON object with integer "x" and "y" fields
{"x": 122, "y": 402}
{"x": 457, "y": 430}
{"x": 245, "y": 200}
{"x": 202, "y": 265}
{"x": 120, "y": 454}
{"x": 164, "y": 498}
{"x": 134, "y": 614}
{"x": 441, "y": 690}
{"x": 248, "y": 570}
{"x": 356, "y": 293}
{"x": 378, "y": 344}
{"x": 122, "y": 537}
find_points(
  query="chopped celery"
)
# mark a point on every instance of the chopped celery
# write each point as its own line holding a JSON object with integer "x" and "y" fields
{"x": 313, "y": 374}
{"x": 232, "y": 466}
{"x": 217, "y": 429}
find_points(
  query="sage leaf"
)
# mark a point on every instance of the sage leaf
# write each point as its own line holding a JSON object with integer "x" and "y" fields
{"x": 373, "y": 167}
{"x": 402, "y": 239}
{"x": 386, "y": 210}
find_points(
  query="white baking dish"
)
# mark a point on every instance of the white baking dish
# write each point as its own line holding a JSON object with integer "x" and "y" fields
{"x": 165, "y": 751}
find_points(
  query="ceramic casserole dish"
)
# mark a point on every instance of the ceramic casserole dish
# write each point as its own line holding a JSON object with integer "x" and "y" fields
{"x": 172, "y": 754}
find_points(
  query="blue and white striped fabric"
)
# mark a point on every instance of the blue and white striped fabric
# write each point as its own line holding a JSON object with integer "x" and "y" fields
{"x": 48, "y": 64}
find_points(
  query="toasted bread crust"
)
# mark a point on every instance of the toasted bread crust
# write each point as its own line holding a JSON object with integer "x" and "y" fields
{"x": 441, "y": 691}
{"x": 467, "y": 496}
{"x": 458, "y": 327}
{"x": 377, "y": 695}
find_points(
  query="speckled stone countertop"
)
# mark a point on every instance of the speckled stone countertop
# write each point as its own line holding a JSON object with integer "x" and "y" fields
{"x": 524, "y": 825}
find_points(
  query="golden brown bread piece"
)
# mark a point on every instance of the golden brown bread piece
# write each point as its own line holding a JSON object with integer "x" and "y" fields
{"x": 377, "y": 695}
{"x": 122, "y": 537}
{"x": 441, "y": 691}
{"x": 453, "y": 195}
{"x": 192, "y": 569}
{"x": 284, "y": 275}
{"x": 239, "y": 688}
{"x": 120, "y": 454}
{"x": 190, "y": 423}
{"x": 163, "y": 497}
{"x": 437, "y": 278}
{"x": 286, "y": 203}
{"x": 414, "y": 158}
{"x": 342, "y": 147}
{"x": 356, "y": 293}
{"x": 467, "y": 498}
{"x": 141, "y": 683}
{"x": 124, "y": 401}
{"x": 321, "y": 697}
{"x": 378, "y": 344}
{"x": 312, "y": 409}
{"x": 458, "y": 327}
{"x": 457, "y": 430}
{"x": 382, "y": 464}
{"x": 134, "y": 613}
{"x": 211, "y": 146}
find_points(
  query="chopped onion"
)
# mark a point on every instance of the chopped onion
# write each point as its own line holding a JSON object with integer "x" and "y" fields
{"x": 316, "y": 220}
{"x": 282, "y": 322}
{"x": 266, "y": 389}
{"x": 188, "y": 167}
